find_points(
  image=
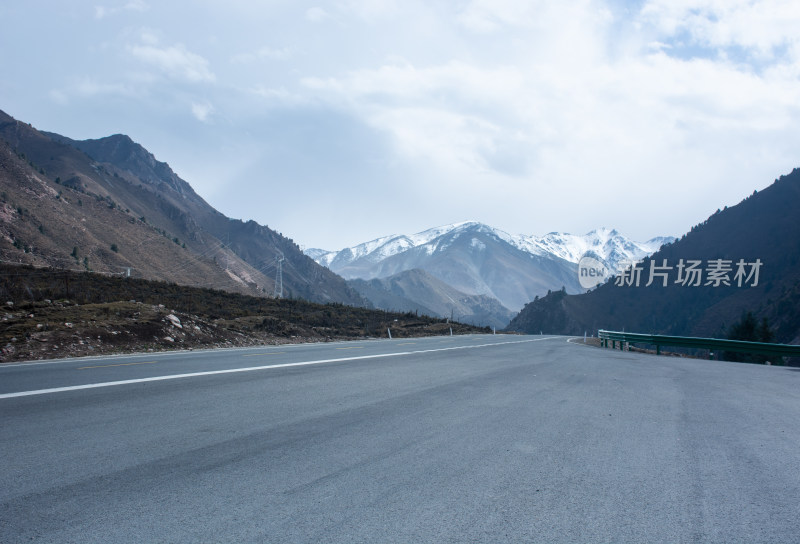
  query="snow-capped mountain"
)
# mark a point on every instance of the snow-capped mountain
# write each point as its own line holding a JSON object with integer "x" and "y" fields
{"x": 481, "y": 260}
{"x": 606, "y": 244}
{"x": 387, "y": 246}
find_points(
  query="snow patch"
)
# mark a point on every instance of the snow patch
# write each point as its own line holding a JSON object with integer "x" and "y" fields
{"x": 477, "y": 244}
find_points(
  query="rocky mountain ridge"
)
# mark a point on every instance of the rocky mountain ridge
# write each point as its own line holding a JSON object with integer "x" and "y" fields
{"x": 477, "y": 259}
{"x": 745, "y": 258}
{"x": 110, "y": 206}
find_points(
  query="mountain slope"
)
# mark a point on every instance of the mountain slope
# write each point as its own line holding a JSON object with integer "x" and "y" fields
{"x": 480, "y": 260}
{"x": 151, "y": 209}
{"x": 764, "y": 228}
{"x": 416, "y": 290}
{"x": 44, "y": 223}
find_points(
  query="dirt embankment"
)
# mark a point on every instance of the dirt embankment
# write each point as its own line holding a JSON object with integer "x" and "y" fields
{"x": 53, "y": 329}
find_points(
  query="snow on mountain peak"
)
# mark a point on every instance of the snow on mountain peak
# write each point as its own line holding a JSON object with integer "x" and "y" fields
{"x": 605, "y": 243}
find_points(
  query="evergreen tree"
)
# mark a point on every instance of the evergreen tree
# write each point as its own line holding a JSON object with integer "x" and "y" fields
{"x": 750, "y": 330}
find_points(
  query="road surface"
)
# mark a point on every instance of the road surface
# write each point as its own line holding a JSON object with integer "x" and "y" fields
{"x": 451, "y": 439}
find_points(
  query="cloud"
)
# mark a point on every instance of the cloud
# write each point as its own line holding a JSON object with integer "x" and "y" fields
{"x": 490, "y": 16}
{"x": 175, "y": 61}
{"x": 447, "y": 114}
{"x": 264, "y": 53}
{"x": 316, "y": 14}
{"x": 548, "y": 111}
{"x": 373, "y": 10}
{"x": 761, "y": 27}
{"x": 278, "y": 97}
{"x": 202, "y": 111}
{"x": 89, "y": 87}
{"x": 101, "y": 12}
{"x": 583, "y": 110}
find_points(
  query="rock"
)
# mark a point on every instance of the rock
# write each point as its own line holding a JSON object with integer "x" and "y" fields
{"x": 175, "y": 321}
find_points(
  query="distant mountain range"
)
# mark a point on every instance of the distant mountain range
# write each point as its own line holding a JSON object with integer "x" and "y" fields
{"x": 417, "y": 291}
{"x": 746, "y": 258}
{"x": 109, "y": 206}
{"x": 478, "y": 260}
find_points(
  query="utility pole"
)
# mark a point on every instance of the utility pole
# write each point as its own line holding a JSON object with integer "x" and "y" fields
{"x": 227, "y": 243}
{"x": 279, "y": 275}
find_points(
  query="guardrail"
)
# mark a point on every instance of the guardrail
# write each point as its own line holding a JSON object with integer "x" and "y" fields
{"x": 714, "y": 344}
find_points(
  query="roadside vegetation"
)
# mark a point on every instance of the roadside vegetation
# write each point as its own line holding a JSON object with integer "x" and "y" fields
{"x": 50, "y": 313}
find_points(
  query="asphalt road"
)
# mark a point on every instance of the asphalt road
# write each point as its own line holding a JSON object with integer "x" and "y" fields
{"x": 465, "y": 439}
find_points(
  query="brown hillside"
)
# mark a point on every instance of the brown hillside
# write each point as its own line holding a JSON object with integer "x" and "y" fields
{"x": 120, "y": 208}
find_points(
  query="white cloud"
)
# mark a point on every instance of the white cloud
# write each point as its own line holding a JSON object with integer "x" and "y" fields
{"x": 175, "y": 61}
{"x": 759, "y": 26}
{"x": 316, "y": 14}
{"x": 89, "y": 87}
{"x": 373, "y": 10}
{"x": 278, "y": 97}
{"x": 406, "y": 82}
{"x": 490, "y": 16}
{"x": 544, "y": 101}
{"x": 587, "y": 106}
{"x": 202, "y": 111}
{"x": 101, "y": 12}
{"x": 487, "y": 16}
{"x": 455, "y": 113}
{"x": 264, "y": 53}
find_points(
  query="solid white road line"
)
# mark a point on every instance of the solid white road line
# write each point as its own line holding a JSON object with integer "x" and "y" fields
{"x": 248, "y": 369}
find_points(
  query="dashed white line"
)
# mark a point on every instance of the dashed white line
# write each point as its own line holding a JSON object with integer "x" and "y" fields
{"x": 249, "y": 369}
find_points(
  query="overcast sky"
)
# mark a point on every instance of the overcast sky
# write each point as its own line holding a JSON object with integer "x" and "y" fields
{"x": 338, "y": 122}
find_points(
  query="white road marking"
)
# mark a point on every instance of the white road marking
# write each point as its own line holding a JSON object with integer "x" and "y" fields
{"x": 248, "y": 369}
{"x": 120, "y": 364}
{"x": 170, "y": 353}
